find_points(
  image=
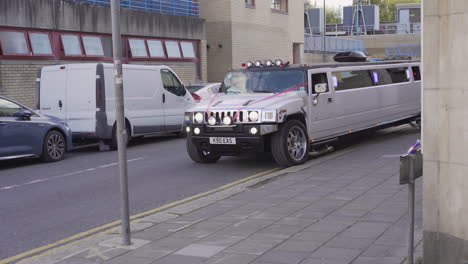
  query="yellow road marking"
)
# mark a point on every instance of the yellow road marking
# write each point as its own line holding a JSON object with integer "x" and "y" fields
{"x": 133, "y": 217}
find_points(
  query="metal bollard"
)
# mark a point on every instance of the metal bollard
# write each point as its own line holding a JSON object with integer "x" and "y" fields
{"x": 410, "y": 170}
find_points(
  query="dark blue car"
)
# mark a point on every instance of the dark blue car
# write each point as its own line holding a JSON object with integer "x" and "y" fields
{"x": 24, "y": 133}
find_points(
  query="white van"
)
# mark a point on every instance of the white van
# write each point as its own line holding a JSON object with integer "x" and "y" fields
{"x": 83, "y": 96}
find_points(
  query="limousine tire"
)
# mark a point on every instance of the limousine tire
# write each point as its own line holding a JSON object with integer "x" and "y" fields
{"x": 290, "y": 145}
{"x": 54, "y": 147}
{"x": 200, "y": 156}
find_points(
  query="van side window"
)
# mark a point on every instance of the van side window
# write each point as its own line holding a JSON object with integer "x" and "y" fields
{"x": 351, "y": 80}
{"x": 171, "y": 83}
{"x": 8, "y": 108}
{"x": 319, "y": 78}
{"x": 398, "y": 75}
{"x": 416, "y": 73}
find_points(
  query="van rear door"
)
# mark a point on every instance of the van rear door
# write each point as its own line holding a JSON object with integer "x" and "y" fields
{"x": 53, "y": 92}
{"x": 81, "y": 97}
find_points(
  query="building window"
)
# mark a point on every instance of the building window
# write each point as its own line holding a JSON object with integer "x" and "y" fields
{"x": 173, "y": 50}
{"x": 138, "y": 47}
{"x": 93, "y": 46}
{"x": 40, "y": 43}
{"x": 156, "y": 48}
{"x": 249, "y": 3}
{"x": 71, "y": 45}
{"x": 13, "y": 43}
{"x": 279, "y": 5}
{"x": 187, "y": 49}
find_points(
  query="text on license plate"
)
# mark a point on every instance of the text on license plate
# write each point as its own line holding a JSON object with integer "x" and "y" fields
{"x": 222, "y": 140}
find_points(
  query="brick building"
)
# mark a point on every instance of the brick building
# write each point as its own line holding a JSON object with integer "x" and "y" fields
{"x": 34, "y": 33}
{"x": 242, "y": 30}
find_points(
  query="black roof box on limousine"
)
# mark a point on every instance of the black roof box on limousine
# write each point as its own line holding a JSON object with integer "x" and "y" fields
{"x": 350, "y": 56}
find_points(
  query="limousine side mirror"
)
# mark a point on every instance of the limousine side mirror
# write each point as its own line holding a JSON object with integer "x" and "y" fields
{"x": 320, "y": 88}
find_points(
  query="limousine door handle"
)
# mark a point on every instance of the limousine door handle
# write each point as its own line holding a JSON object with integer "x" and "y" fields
{"x": 164, "y": 98}
{"x": 330, "y": 100}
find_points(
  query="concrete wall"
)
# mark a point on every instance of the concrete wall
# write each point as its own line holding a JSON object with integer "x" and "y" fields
{"x": 445, "y": 131}
{"x": 84, "y": 17}
{"x": 249, "y": 33}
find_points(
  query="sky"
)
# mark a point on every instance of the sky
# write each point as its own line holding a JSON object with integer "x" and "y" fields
{"x": 334, "y": 3}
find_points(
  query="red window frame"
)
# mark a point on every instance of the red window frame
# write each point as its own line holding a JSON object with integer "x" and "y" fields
{"x": 102, "y": 46}
{"x": 251, "y": 4}
{"x": 79, "y": 41}
{"x": 58, "y": 50}
{"x": 182, "y": 51}
{"x": 28, "y": 53}
{"x": 130, "y": 54}
{"x": 49, "y": 35}
{"x": 178, "y": 45}
{"x": 162, "y": 45}
{"x": 283, "y": 9}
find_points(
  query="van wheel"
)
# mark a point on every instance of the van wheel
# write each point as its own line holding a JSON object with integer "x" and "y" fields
{"x": 54, "y": 147}
{"x": 113, "y": 142}
{"x": 198, "y": 155}
{"x": 290, "y": 145}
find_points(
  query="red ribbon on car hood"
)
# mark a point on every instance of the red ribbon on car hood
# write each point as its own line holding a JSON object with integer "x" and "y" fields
{"x": 268, "y": 97}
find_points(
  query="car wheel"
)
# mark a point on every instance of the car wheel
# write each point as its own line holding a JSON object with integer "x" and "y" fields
{"x": 113, "y": 141}
{"x": 54, "y": 147}
{"x": 290, "y": 145}
{"x": 200, "y": 156}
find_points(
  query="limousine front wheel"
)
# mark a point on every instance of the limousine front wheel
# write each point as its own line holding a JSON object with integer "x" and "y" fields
{"x": 198, "y": 155}
{"x": 289, "y": 145}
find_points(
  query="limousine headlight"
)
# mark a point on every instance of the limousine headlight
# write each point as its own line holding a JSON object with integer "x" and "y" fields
{"x": 253, "y": 116}
{"x": 269, "y": 116}
{"x": 199, "y": 117}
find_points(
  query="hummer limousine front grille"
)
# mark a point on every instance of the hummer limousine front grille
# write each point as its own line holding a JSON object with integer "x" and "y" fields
{"x": 242, "y": 117}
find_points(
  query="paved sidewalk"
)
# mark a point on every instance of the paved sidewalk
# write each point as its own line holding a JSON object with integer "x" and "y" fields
{"x": 347, "y": 209}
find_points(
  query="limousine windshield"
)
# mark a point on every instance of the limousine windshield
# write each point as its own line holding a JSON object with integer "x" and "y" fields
{"x": 262, "y": 81}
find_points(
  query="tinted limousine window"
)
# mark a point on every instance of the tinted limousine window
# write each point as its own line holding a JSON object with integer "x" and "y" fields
{"x": 351, "y": 79}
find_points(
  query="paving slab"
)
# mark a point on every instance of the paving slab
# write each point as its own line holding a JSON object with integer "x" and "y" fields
{"x": 342, "y": 208}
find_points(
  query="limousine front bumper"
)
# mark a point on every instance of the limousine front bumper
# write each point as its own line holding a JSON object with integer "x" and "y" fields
{"x": 245, "y": 140}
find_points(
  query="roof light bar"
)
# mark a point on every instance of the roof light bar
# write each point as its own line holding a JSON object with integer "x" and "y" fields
{"x": 268, "y": 63}
{"x": 258, "y": 63}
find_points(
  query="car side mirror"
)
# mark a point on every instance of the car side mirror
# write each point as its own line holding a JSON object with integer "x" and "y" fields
{"x": 25, "y": 114}
{"x": 320, "y": 88}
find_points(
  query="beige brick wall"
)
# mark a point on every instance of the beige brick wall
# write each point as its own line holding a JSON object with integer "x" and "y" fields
{"x": 219, "y": 37}
{"x": 18, "y": 82}
{"x": 249, "y": 33}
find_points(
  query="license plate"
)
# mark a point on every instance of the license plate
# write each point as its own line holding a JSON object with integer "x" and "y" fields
{"x": 222, "y": 141}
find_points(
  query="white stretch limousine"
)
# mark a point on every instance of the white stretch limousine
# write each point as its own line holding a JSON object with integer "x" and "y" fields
{"x": 288, "y": 110}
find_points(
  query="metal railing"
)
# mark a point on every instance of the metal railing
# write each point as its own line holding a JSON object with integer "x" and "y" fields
{"x": 173, "y": 7}
{"x": 333, "y": 44}
{"x": 387, "y": 28}
{"x": 413, "y": 50}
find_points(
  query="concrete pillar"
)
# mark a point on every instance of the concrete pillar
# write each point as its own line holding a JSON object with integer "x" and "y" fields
{"x": 445, "y": 131}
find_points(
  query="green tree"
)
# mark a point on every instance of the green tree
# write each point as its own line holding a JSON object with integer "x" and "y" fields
{"x": 388, "y": 8}
{"x": 333, "y": 14}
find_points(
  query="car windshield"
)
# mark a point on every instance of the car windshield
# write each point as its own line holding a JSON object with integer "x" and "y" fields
{"x": 263, "y": 81}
